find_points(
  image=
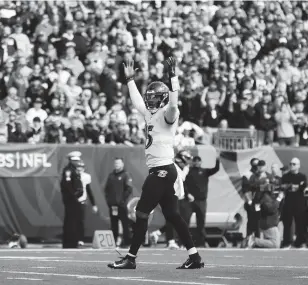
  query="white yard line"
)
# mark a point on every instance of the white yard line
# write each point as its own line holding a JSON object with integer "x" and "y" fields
{"x": 221, "y": 277}
{"x": 125, "y": 279}
{"x": 149, "y": 250}
{"x": 43, "y": 267}
{"x": 210, "y": 265}
{"x": 30, "y": 257}
{"x": 22, "y": 278}
{"x": 233, "y": 256}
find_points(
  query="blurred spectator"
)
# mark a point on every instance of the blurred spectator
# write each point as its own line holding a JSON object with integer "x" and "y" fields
{"x": 74, "y": 134}
{"x": 22, "y": 40}
{"x": 264, "y": 119}
{"x": 237, "y": 62}
{"x": 17, "y": 135}
{"x": 36, "y": 133}
{"x": 91, "y": 129}
{"x": 54, "y": 130}
{"x": 8, "y": 45}
{"x": 285, "y": 119}
{"x": 300, "y": 125}
{"x": 240, "y": 114}
{"x": 71, "y": 61}
{"x": 11, "y": 125}
{"x": 119, "y": 135}
{"x": 36, "y": 111}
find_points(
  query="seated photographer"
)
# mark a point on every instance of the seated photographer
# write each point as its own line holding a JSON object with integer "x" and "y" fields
{"x": 268, "y": 223}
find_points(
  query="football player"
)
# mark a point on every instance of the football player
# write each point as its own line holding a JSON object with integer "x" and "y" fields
{"x": 181, "y": 160}
{"x": 161, "y": 114}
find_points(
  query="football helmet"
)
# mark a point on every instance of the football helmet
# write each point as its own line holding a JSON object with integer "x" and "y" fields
{"x": 183, "y": 157}
{"x": 156, "y": 96}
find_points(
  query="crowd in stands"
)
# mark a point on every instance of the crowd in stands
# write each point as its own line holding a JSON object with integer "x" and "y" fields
{"x": 241, "y": 64}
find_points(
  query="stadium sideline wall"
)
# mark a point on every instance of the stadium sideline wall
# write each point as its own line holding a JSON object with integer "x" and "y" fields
{"x": 31, "y": 204}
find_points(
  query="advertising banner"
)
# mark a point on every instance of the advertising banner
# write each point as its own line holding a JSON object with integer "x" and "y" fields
{"x": 23, "y": 160}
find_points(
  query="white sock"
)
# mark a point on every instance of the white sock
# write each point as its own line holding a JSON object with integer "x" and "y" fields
{"x": 129, "y": 254}
{"x": 192, "y": 250}
{"x": 171, "y": 241}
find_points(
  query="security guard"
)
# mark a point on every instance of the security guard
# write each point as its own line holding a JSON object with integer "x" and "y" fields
{"x": 87, "y": 193}
{"x": 117, "y": 191}
{"x": 71, "y": 189}
{"x": 294, "y": 182}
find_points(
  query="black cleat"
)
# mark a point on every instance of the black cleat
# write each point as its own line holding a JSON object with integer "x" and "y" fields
{"x": 192, "y": 264}
{"x": 123, "y": 263}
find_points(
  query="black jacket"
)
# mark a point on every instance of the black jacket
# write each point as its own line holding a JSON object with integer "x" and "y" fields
{"x": 118, "y": 188}
{"x": 269, "y": 216}
{"x": 260, "y": 122}
{"x": 71, "y": 185}
{"x": 197, "y": 180}
{"x": 294, "y": 186}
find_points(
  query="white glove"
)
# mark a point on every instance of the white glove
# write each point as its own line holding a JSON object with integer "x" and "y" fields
{"x": 280, "y": 197}
{"x": 94, "y": 209}
{"x": 81, "y": 200}
{"x": 257, "y": 207}
{"x": 190, "y": 198}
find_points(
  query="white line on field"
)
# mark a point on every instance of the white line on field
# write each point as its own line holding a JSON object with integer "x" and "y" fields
{"x": 138, "y": 279}
{"x": 88, "y": 261}
{"x": 222, "y": 277}
{"x": 173, "y": 263}
{"x": 301, "y": 277}
{"x": 43, "y": 267}
{"x": 233, "y": 256}
{"x": 22, "y": 278}
{"x": 30, "y": 257}
{"x": 61, "y": 250}
{"x": 172, "y": 282}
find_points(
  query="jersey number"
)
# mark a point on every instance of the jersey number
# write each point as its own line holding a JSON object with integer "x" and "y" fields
{"x": 149, "y": 140}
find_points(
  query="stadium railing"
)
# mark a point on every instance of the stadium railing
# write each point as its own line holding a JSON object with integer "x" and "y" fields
{"x": 235, "y": 139}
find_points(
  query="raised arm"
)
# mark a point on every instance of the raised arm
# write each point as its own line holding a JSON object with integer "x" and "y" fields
{"x": 172, "y": 111}
{"x": 134, "y": 93}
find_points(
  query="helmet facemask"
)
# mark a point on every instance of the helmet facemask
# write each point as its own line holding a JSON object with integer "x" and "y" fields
{"x": 155, "y": 101}
{"x": 183, "y": 158}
